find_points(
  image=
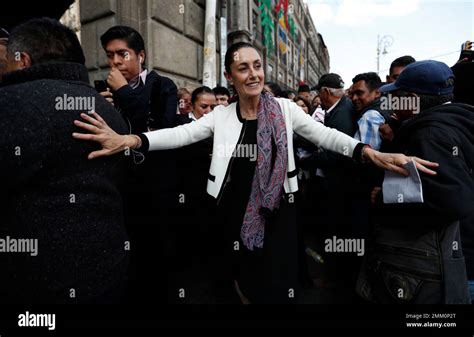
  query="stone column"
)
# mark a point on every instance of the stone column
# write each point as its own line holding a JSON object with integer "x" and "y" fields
{"x": 96, "y": 18}
{"x": 173, "y": 31}
{"x": 240, "y": 27}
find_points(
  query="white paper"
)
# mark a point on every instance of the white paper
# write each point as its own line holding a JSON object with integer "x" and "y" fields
{"x": 398, "y": 189}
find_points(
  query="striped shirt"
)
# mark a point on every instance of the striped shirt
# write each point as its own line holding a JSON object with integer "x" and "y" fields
{"x": 369, "y": 125}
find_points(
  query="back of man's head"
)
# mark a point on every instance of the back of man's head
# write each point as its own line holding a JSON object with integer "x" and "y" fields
{"x": 132, "y": 37}
{"x": 45, "y": 40}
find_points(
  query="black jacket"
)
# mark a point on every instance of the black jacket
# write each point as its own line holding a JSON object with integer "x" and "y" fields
{"x": 53, "y": 193}
{"x": 152, "y": 105}
{"x": 340, "y": 118}
{"x": 150, "y": 188}
{"x": 444, "y": 134}
{"x": 416, "y": 243}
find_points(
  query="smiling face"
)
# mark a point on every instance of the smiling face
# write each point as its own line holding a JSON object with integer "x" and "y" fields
{"x": 246, "y": 73}
{"x": 362, "y": 96}
{"x": 120, "y": 56}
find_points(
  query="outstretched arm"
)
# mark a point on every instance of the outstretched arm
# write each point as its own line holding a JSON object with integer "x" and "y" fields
{"x": 164, "y": 139}
{"x": 333, "y": 140}
{"x": 394, "y": 161}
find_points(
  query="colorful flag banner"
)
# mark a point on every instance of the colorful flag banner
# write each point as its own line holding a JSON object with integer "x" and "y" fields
{"x": 267, "y": 24}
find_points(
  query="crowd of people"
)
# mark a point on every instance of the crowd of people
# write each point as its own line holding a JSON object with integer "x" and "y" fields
{"x": 130, "y": 200}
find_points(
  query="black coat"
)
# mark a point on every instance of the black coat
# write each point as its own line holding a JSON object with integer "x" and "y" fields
{"x": 337, "y": 186}
{"x": 53, "y": 193}
{"x": 340, "y": 118}
{"x": 443, "y": 134}
{"x": 423, "y": 239}
{"x": 150, "y": 188}
{"x": 151, "y": 105}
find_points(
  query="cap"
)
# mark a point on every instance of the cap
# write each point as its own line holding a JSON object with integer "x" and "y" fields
{"x": 424, "y": 77}
{"x": 330, "y": 81}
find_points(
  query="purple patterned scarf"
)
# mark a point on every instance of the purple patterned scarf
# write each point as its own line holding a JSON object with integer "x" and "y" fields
{"x": 267, "y": 184}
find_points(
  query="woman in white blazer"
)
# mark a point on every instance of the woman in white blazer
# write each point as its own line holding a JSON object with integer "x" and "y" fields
{"x": 252, "y": 173}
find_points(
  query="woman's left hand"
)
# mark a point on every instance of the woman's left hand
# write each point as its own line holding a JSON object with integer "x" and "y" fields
{"x": 394, "y": 162}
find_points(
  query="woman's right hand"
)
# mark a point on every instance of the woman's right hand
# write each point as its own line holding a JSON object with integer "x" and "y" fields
{"x": 101, "y": 133}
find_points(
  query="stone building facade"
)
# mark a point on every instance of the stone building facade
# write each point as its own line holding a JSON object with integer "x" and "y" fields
{"x": 306, "y": 58}
{"x": 174, "y": 29}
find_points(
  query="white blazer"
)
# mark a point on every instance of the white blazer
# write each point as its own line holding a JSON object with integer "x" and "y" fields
{"x": 226, "y": 127}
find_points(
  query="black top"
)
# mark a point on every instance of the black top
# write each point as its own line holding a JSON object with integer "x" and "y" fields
{"x": 342, "y": 117}
{"x": 264, "y": 275}
{"x": 336, "y": 166}
{"x": 243, "y": 165}
{"x": 237, "y": 191}
{"x": 234, "y": 203}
